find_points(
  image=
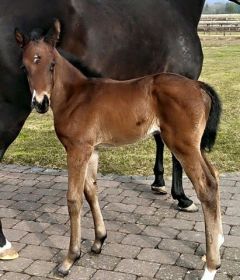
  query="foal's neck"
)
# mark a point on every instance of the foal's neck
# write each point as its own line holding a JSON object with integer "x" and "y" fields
{"x": 67, "y": 80}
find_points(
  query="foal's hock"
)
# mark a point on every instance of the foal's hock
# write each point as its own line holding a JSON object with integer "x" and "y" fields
{"x": 90, "y": 112}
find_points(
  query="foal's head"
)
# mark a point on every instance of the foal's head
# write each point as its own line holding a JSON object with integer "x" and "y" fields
{"x": 39, "y": 60}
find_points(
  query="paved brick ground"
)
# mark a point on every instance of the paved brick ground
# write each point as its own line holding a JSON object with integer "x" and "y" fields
{"x": 147, "y": 237}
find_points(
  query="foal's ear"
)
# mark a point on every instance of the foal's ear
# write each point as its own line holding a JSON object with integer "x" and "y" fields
{"x": 53, "y": 34}
{"x": 21, "y": 39}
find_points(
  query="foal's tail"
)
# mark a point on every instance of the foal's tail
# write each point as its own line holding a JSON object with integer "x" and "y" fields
{"x": 210, "y": 132}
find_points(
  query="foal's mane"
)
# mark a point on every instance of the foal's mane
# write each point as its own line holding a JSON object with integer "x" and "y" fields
{"x": 38, "y": 34}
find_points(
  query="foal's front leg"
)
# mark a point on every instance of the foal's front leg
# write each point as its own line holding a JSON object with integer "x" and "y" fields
{"x": 78, "y": 158}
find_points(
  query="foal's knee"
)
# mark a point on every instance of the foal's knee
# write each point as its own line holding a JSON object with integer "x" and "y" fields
{"x": 74, "y": 203}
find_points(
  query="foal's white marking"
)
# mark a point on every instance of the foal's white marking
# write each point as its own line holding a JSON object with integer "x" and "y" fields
{"x": 220, "y": 240}
{"x": 208, "y": 275}
{"x": 7, "y": 246}
{"x": 36, "y": 59}
{"x": 34, "y": 94}
{"x": 39, "y": 96}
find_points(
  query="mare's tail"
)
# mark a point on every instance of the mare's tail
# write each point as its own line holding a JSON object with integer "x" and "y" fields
{"x": 210, "y": 132}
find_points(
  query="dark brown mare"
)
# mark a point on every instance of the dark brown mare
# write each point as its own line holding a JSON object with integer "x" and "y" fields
{"x": 89, "y": 112}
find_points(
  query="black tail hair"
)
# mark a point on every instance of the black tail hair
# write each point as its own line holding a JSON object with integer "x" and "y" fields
{"x": 210, "y": 132}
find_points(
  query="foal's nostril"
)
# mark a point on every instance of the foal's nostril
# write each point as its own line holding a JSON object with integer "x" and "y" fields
{"x": 41, "y": 107}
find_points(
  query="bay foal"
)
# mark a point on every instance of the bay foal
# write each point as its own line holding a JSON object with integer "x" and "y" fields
{"x": 90, "y": 112}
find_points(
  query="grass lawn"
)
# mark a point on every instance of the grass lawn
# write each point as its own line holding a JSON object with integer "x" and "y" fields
{"x": 37, "y": 144}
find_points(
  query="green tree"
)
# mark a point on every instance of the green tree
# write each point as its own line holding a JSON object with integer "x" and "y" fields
{"x": 230, "y": 8}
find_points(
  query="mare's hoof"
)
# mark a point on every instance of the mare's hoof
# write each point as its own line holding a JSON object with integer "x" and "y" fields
{"x": 159, "y": 190}
{"x": 192, "y": 208}
{"x": 97, "y": 246}
{"x": 9, "y": 254}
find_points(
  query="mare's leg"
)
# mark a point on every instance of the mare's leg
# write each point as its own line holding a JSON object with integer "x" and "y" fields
{"x": 184, "y": 203}
{"x": 159, "y": 183}
{"x": 90, "y": 191}
{"x": 207, "y": 188}
{"x": 78, "y": 158}
{"x": 6, "y": 250}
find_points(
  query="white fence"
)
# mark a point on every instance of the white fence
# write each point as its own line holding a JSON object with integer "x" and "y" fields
{"x": 223, "y": 24}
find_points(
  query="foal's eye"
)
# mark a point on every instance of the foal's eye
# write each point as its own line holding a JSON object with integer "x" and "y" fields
{"x": 52, "y": 66}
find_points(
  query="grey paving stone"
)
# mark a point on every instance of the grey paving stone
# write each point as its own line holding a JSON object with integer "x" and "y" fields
{"x": 190, "y": 261}
{"x": 159, "y": 256}
{"x": 232, "y": 241}
{"x": 14, "y": 234}
{"x": 150, "y": 220}
{"x": 31, "y": 226}
{"x": 120, "y": 207}
{"x": 121, "y": 251}
{"x": 141, "y": 241}
{"x": 56, "y": 241}
{"x": 143, "y": 210}
{"x": 53, "y": 218}
{"x": 137, "y": 267}
{"x": 193, "y": 236}
{"x": 199, "y": 226}
{"x": 177, "y": 224}
{"x": 80, "y": 273}
{"x": 99, "y": 261}
{"x": 40, "y": 268}
{"x": 8, "y": 213}
{"x": 17, "y": 265}
{"x": 180, "y": 246}
{"x": 131, "y": 228}
{"x": 34, "y": 252}
{"x": 230, "y": 267}
{"x": 170, "y": 272}
{"x": 110, "y": 275}
{"x": 115, "y": 237}
{"x": 15, "y": 276}
{"x": 34, "y": 238}
{"x": 161, "y": 232}
{"x": 26, "y": 205}
{"x": 235, "y": 230}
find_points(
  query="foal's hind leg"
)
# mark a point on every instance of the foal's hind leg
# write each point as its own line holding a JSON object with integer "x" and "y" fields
{"x": 90, "y": 191}
{"x": 207, "y": 189}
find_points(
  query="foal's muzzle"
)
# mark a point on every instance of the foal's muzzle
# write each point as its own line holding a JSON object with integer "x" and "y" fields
{"x": 41, "y": 107}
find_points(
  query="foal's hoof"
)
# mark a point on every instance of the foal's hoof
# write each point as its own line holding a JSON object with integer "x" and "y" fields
{"x": 60, "y": 273}
{"x": 97, "y": 246}
{"x": 64, "y": 268}
{"x": 192, "y": 208}
{"x": 9, "y": 254}
{"x": 159, "y": 190}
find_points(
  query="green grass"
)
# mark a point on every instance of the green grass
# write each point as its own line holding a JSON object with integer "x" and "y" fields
{"x": 37, "y": 144}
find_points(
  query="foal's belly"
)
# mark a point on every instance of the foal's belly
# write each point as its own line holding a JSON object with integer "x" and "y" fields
{"x": 129, "y": 133}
